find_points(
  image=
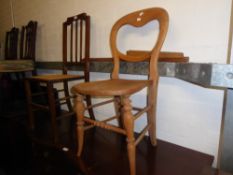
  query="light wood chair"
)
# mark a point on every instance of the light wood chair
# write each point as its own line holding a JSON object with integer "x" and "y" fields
{"x": 122, "y": 89}
{"x": 76, "y": 45}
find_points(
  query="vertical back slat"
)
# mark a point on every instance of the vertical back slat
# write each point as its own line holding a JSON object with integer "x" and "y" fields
{"x": 27, "y": 42}
{"x": 30, "y": 30}
{"x": 21, "y": 42}
{"x": 64, "y": 47}
{"x": 87, "y": 37}
{"x": 81, "y": 40}
{"x": 71, "y": 43}
{"x": 76, "y": 41}
{"x": 6, "y": 45}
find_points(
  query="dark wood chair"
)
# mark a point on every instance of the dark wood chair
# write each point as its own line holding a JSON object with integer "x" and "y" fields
{"x": 28, "y": 44}
{"x": 76, "y": 44}
{"x": 122, "y": 89}
{"x": 28, "y": 41}
{"x": 27, "y": 47}
{"x": 12, "y": 81}
{"x": 11, "y": 44}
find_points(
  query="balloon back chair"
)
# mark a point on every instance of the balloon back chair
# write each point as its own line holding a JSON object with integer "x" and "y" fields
{"x": 76, "y": 46}
{"x": 122, "y": 89}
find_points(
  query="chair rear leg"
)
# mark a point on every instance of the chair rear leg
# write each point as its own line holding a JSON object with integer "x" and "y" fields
{"x": 152, "y": 130}
{"x": 29, "y": 106}
{"x": 52, "y": 111}
{"x": 67, "y": 94}
{"x": 117, "y": 105}
{"x": 151, "y": 114}
{"x": 90, "y": 110}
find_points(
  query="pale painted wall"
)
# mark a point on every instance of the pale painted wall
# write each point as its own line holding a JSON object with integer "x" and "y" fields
{"x": 187, "y": 115}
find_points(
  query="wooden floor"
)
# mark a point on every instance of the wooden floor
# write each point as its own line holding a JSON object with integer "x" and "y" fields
{"x": 104, "y": 153}
{"x": 108, "y": 156}
{"x": 213, "y": 171}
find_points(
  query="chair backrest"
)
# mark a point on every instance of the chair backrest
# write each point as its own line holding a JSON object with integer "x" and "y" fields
{"x": 11, "y": 44}
{"x": 138, "y": 19}
{"x": 28, "y": 41}
{"x": 76, "y": 41}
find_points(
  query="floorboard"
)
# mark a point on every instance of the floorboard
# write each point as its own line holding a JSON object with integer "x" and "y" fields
{"x": 104, "y": 153}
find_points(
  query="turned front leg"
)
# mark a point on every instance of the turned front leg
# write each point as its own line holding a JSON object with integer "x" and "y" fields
{"x": 129, "y": 127}
{"x": 79, "y": 109}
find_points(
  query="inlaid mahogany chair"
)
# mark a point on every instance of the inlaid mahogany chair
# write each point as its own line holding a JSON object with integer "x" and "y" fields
{"x": 11, "y": 44}
{"x": 76, "y": 44}
{"x": 122, "y": 89}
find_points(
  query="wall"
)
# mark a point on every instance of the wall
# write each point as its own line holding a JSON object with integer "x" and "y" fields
{"x": 187, "y": 115}
{"x": 5, "y": 23}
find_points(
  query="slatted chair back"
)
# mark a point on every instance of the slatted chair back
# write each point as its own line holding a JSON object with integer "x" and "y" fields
{"x": 28, "y": 41}
{"x": 76, "y": 42}
{"x": 11, "y": 44}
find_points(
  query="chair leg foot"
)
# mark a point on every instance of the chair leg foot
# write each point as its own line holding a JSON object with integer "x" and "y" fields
{"x": 152, "y": 129}
{"x": 152, "y": 135}
{"x": 80, "y": 135}
{"x": 132, "y": 158}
